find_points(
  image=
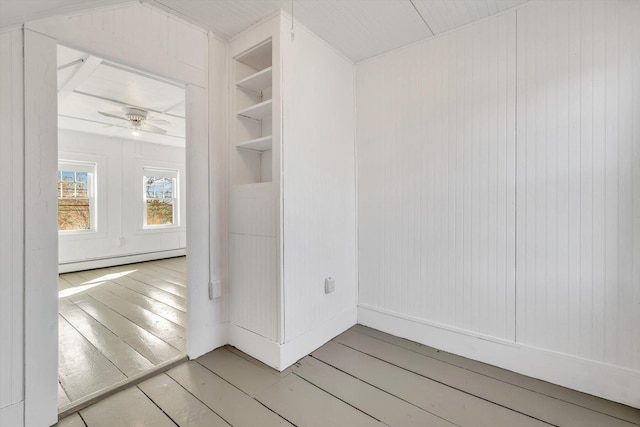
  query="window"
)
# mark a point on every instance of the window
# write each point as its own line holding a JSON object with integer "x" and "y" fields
{"x": 76, "y": 196}
{"x": 160, "y": 197}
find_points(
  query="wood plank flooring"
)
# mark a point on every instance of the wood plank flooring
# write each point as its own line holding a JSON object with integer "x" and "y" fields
{"x": 118, "y": 322}
{"x": 361, "y": 378}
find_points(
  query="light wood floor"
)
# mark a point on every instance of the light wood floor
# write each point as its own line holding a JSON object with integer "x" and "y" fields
{"x": 115, "y": 323}
{"x": 361, "y": 378}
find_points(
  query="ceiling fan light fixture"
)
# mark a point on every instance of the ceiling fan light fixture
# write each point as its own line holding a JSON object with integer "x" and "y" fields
{"x": 137, "y": 119}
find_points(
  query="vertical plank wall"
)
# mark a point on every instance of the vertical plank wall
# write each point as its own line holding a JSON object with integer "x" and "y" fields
{"x": 40, "y": 230}
{"x": 578, "y": 282}
{"x": 319, "y": 213}
{"x": 11, "y": 227}
{"x": 436, "y": 179}
{"x": 138, "y": 35}
{"x": 499, "y": 192}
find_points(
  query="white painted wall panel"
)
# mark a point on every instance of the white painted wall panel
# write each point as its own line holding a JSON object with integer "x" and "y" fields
{"x": 253, "y": 210}
{"x": 436, "y": 179}
{"x": 149, "y": 39}
{"x": 318, "y": 184}
{"x": 40, "y": 229}
{"x": 219, "y": 187}
{"x": 252, "y": 270}
{"x": 119, "y": 197}
{"x": 11, "y": 218}
{"x": 578, "y": 282}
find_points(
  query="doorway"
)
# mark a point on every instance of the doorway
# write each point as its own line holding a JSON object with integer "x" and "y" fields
{"x": 121, "y": 189}
{"x": 205, "y": 232}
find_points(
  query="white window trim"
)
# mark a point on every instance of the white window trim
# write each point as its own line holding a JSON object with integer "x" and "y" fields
{"x": 163, "y": 172}
{"x": 90, "y": 168}
{"x": 99, "y": 230}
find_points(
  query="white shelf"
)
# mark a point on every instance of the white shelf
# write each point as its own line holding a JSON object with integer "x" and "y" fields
{"x": 258, "y": 144}
{"x": 258, "y": 57}
{"x": 257, "y": 81}
{"x": 257, "y": 111}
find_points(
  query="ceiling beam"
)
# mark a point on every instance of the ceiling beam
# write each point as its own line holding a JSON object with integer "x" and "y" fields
{"x": 84, "y": 71}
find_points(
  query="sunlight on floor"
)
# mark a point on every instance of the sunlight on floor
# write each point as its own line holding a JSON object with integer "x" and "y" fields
{"x": 90, "y": 284}
{"x": 108, "y": 277}
{"x": 78, "y": 289}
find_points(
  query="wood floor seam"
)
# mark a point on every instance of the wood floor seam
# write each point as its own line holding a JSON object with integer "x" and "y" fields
{"x": 158, "y": 406}
{"x": 380, "y": 389}
{"x": 452, "y": 387}
{"x": 338, "y": 398}
{"x": 360, "y": 330}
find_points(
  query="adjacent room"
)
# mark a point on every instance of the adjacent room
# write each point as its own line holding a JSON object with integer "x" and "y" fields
{"x": 320, "y": 213}
{"x": 122, "y": 232}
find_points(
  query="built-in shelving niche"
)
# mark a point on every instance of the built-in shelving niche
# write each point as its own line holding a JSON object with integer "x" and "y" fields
{"x": 253, "y": 96}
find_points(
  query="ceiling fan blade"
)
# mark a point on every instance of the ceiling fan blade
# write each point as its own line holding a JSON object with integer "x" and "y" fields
{"x": 151, "y": 128}
{"x": 159, "y": 121}
{"x": 112, "y": 115}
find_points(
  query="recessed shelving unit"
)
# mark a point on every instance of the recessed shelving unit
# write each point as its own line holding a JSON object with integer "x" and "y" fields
{"x": 253, "y": 72}
{"x": 258, "y": 144}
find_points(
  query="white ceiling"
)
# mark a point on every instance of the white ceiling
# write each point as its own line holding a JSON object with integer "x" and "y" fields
{"x": 87, "y": 84}
{"x": 359, "y": 29}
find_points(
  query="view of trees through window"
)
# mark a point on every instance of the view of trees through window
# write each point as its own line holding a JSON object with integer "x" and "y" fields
{"x": 159, "y": 200}
{"x": 74, "y": 204}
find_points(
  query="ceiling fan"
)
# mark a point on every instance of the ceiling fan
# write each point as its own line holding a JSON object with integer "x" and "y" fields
{"x": 139, "y": 120}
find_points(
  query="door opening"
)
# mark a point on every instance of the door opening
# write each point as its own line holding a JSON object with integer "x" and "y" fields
{"x": 121, "y": 188}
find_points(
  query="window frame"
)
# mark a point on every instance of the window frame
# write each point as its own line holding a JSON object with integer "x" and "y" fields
{"x": 163, "y": 172}
{"x": 91, "y": 168}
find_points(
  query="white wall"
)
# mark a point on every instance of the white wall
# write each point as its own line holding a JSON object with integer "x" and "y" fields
{"x": 119, "y": 199}
{"x": 436, "y": 179}
{"x": 319, "y": 200}
{"x": 504, "y": 230}
{"x": 11, "y": 227}
{"x": 578, "y": 282}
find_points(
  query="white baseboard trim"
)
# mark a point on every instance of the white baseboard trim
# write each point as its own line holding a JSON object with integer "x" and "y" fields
{"x": 281, "y": 356}
{"x": 599, "y": 379}
{"x": 12, "y": 415}
{"x": 298, "y": 347}
{"x": 69, "y": 267}
{"x": 255, "y": 345}
{"x": 216, "y": 336}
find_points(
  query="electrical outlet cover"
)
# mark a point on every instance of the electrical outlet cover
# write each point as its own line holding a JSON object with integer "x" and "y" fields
{"x": 329, "y": 285}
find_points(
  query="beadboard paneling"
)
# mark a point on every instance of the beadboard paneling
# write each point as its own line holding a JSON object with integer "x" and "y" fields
{"x": 252, "y": 284}
{"x": 40, "y": 230}
{"x": 578, "y": 282}
{"x": 319, "y": 213}
{"x": 11, "y": 218}
{"x": 436, "y": 179}
{"x": 253, "y": 210}
{"x": 149, "y": 39}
